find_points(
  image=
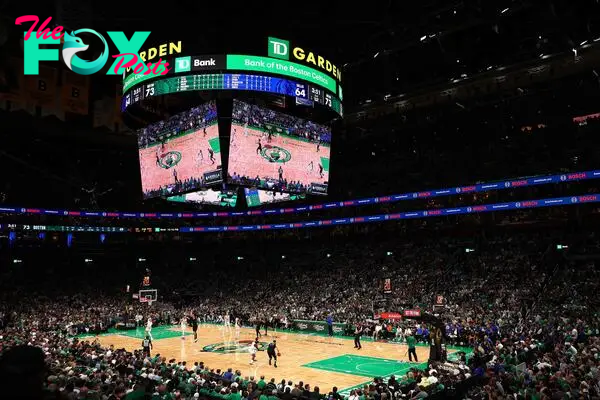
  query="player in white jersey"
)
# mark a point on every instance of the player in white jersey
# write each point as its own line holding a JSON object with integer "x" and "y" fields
{"x": 227, "y": 322}
{"x": 246, "y": 129}
{"x": 311, "y": 166}
{"x": 253, "y": 350}
{"x": 237, "y": 328}
{"x": 149, "y": 328}
{"x": 183, "y": 328}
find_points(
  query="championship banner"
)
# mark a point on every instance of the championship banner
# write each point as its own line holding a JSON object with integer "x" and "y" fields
{"x": 317, "y": 326}
{"x": 42, "y": 88}
{"x": 75, "y": 93}
{"x": 387, "y": 286}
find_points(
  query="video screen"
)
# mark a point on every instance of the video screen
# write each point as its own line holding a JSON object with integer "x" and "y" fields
{"x": 258, "y": 197}
{"x": 182, "y": 153}
{"x": 277, "y": 152}
{"x": 223, "y": 198}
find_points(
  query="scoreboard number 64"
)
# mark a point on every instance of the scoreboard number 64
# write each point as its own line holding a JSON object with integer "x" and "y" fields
{"x": 300, "y": 91}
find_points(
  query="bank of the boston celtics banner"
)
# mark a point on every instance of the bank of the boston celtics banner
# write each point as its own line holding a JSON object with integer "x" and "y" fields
{"x": 318, "y": 326}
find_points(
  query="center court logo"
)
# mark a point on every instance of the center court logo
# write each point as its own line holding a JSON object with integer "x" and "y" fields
{"x": 275, "y": 154}
{"x": 233, "y": 347}
{"x": 279, "y": 48}
{"x": 169, "y": 160}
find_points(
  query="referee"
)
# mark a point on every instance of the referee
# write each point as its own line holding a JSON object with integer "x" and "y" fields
{"x": 272, "y": 352}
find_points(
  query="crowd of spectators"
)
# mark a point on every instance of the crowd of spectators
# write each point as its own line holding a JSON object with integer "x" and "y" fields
{"x": 266, "y": 119}
{"x": 195, "y": 118}
{"x": 532, "y": 324}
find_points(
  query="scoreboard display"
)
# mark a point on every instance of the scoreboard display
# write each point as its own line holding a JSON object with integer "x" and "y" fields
{"x": 259, "y": 83}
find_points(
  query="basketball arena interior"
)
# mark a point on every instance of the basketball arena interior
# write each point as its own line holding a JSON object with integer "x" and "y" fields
{"x": 300, "y": 201}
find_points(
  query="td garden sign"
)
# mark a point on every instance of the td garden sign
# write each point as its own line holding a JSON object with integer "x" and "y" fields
{"x": 279, "y": 48}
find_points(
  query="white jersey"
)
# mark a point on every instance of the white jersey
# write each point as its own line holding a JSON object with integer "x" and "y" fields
{"x": 183, "y": 324}
{"x": 253, "y": 349}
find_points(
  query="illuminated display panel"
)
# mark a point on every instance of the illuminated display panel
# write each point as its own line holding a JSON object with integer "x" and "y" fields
{"x": 180, "y": 154}
{"x": 276, "y": 151}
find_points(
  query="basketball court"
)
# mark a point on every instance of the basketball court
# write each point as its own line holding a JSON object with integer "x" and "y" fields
{"x": 315, "y": 358}
{"x": 182, "y": 154}
{"x": 294, "y": 155}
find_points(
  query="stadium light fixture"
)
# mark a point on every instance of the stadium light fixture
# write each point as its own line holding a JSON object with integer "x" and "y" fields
{"x": 504, "y": 11}
{"x": 88, "y": 260}
{"x": 17, "y": 261}
{"x": 141, "y": 259}
{"x": 423, "y": 38}
{"x": 192, "y": 258}
{"x": 283, "y": 257}
{"x": 376, "y": 54}
{"x": 389, "y": 253}
{"x": 583, "y": 43}
{"x": 328, "y": 255}
{"x": 240, "y": 258}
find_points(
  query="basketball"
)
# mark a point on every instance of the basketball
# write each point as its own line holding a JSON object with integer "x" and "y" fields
{"x": 278, "y": 354}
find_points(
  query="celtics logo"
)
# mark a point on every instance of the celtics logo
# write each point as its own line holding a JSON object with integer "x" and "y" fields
{"x": 169, "y": 160}
{"x": 233, "y": 347}
{"x": 275, "y": 154}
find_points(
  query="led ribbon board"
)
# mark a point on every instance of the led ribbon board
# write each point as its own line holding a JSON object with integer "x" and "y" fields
{"x": 259, "y": 83}
{"x": 237, "y": 62}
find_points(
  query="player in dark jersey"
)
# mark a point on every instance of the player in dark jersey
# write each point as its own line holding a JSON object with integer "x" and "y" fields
{"x": 147, "y": 345}
{"x": 259, "y": 148}
{"x": 193, "y": 321}
{"x": 258, "y": 328}
{"x": 357, "y": 334}
{"x": 204, "y": 130}
{"x": 211, "y": 155}
{"x": 320, "y": 170}
{"x": 272, "y": 352}
{"x": 280, "y": 170}
{"x": 318, "y": 145}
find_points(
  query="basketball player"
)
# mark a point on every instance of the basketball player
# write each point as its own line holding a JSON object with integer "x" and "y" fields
{"x": 246, "y": 129}
{"x": 320, "y": 170}
{"x": 193, "y": 321}
{"x": 311, "y": 167}
{"x": 253, "y": 351}
{"x": 227, "y": 322}
{"x": 269, "y": 136}
{"x": 200, "y": 157}
{"x": 233, "y": 136}
{"x": 204, "y": 131}
{"x": 175, "y": 176}
{"x": 149, "y": 328}
{"x": 272, "y": 352}
{"x": 280, "y": 170}
{"x": 157, "y": 159}
{"x": 357, "y": 334}
{"x": 147, "y": 345}
{"x": 258, "y": 327}
{"x": 318, "y": 145}
{"x": 183, "y": 327}
{"x": 211, "y": 155}
{"x": 237, "y": 328}
{"x": 259, "y": 148}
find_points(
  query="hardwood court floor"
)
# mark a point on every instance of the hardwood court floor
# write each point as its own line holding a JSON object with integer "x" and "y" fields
{"x": 314, "y": 359}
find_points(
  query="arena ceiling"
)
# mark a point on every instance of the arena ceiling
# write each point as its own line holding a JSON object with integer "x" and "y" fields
{"x": 385, "y": 47}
